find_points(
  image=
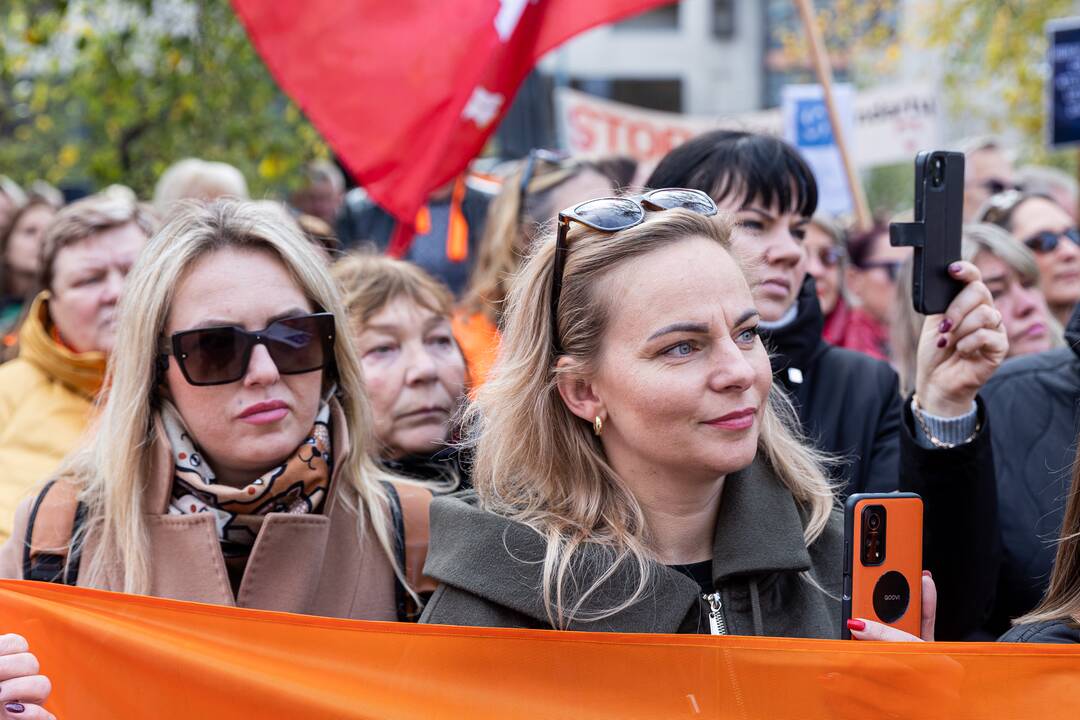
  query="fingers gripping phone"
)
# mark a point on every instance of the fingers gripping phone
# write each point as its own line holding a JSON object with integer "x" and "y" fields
{"x": 883, "y": 560}
{"x": 935, "y": 234}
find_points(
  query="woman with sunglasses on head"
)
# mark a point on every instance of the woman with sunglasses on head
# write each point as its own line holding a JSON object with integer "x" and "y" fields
{"x": 635, "y": 463}
{"x": 848, "y": 403}
{"x": 529, "y": 197}
{"x": 231, "y": 464}
{"x": 1049, "y": 232}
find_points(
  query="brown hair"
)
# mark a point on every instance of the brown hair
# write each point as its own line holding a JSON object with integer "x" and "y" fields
{"x": 512, "y": 220}
{"x": 5, "y": 236}
{"x": 368, "y": 282}
{"x": 89, "y": 216}
{"x": 1062, "y": 598}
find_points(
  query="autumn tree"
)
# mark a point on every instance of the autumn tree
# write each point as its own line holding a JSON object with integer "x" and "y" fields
{"x": 113, "y": 91}
{"x": 994, "y": 60}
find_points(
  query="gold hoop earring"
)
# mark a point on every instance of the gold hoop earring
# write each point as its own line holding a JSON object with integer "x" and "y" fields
{"x": 597, "y": 426}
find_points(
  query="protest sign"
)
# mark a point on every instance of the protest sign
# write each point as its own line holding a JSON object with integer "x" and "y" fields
{"x": 807, "y": 127}
{"x": 891, "y": 124}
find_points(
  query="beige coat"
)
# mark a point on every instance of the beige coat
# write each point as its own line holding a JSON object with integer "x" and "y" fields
{"x": 308, "y": 564}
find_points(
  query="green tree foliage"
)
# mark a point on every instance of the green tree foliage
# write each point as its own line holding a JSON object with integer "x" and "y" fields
{"x": 994, "y": 59}
{"x": 113, "y": 91}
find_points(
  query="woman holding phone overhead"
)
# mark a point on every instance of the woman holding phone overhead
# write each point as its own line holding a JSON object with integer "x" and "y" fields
{"x": 232, "y": 462}
{"x": 636, "y": 468}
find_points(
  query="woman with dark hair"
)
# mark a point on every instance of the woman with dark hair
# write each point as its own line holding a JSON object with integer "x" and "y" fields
{"x": 848, "y": 403}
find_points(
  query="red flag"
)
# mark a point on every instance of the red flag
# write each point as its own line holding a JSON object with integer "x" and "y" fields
{"x": 408, "y": 91}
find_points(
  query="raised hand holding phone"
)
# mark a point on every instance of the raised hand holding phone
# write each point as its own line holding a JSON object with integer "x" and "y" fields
{"x": 963, "y": 340}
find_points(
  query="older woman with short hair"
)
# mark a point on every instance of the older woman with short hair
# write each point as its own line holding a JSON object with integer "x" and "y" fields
{"x": 414, "y": 371}
{"x": 47, "y": 391}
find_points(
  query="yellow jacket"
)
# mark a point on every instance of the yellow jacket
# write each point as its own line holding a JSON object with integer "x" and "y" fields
{"x": 46, "y": 401}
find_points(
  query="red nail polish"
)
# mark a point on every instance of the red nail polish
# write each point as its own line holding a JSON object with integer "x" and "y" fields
{"x": 856, "y": 625}
{"x": 926, "y": 573}
{"x": 942, "y": 342}
{"x": 15, "y": 708}
{"x": 945, "y": 326}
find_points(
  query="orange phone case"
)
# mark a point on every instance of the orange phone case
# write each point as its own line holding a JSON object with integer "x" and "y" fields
{"x": 888, "y": 591}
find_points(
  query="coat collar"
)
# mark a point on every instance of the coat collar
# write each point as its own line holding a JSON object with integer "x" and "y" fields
{"x": 284, "y": 567}
{"x": 796, "y": 344}
{"x": 82, "y": 372}
{"x": 759, "y": 531}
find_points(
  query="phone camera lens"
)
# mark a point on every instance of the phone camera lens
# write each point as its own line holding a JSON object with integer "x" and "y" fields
{"x": 937, "y": 172}
{"x": 873, "y": 521}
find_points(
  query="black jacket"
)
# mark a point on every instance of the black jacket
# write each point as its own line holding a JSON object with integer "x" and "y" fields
{"x": 1035, "y": 405}
{"x": 1048, "y": 631}
{"x": 849, "y": 404}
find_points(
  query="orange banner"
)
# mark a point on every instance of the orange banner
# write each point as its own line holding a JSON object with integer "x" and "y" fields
{"x": 116, "y": 656}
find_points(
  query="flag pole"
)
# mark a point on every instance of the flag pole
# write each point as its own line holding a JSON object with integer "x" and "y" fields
{"x": 823, "y": 70}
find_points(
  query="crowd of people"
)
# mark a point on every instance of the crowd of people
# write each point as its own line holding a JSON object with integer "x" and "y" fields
{"x": 576, "y": 395}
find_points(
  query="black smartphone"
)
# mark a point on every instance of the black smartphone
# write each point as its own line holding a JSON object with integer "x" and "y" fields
{"x": 883, "y": 560}
{"x": 935, "y": 234}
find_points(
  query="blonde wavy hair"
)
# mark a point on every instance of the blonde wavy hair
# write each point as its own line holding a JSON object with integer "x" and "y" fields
{"x": 113, "y": 469}
{"x": 540, "y": 465}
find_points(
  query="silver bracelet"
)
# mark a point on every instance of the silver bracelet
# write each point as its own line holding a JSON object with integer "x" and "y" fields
{"x": 936, "y": 442}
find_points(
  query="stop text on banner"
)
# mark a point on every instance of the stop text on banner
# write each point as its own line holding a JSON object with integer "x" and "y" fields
{"x": 891, "y": 124}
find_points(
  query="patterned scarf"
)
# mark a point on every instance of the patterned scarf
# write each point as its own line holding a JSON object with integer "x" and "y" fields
{"x": 299, "y": 485}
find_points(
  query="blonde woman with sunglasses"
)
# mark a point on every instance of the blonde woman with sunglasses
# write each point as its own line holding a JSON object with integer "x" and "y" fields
{"x": 233, "y": 462}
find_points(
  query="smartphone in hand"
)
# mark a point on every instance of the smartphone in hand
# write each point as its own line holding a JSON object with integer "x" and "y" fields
{"x": 883, "y": 535}
{"x": 935, "y": 234}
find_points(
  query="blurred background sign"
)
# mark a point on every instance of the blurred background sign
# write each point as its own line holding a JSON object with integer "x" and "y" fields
{"x": 1063, "y": 90}
{"x": 806, "y": 126}
{"x": 891, "y": 123}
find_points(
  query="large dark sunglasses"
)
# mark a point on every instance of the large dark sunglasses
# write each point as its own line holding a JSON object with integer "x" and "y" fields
{"x": 1047, "y": 241}
{"x": 220, "y": 355}
{"x": 612, "y": 214}
{"x": 891, "y": 267}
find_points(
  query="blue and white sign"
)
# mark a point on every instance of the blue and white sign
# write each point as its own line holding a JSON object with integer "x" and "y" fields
{"x": 807, "y": 127}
